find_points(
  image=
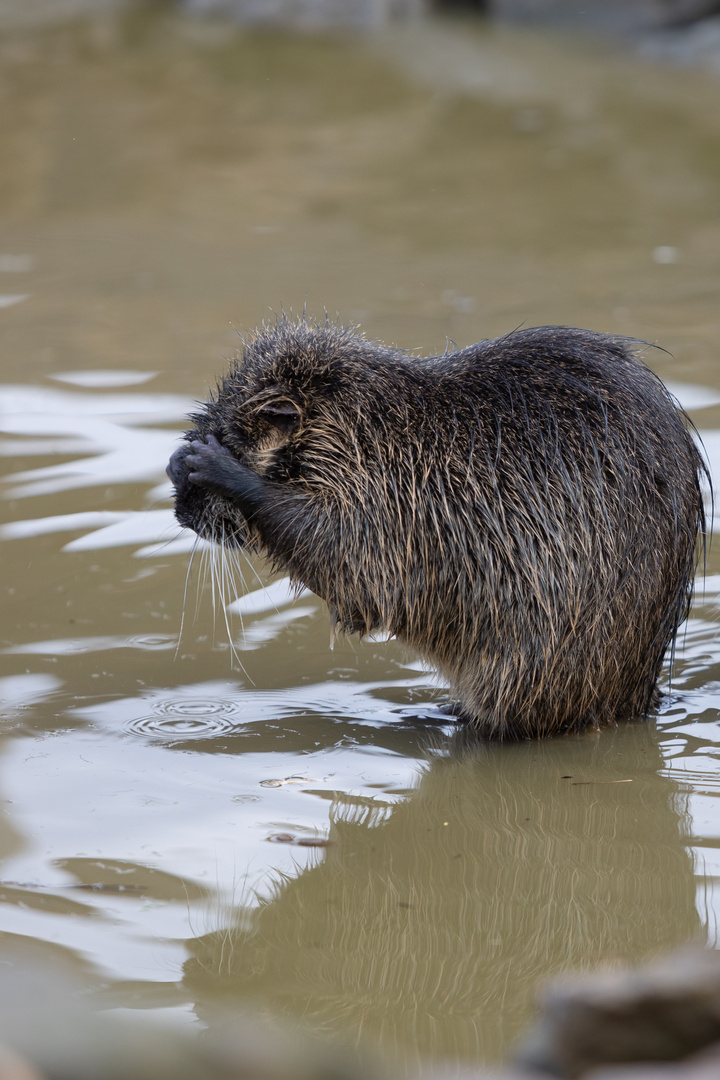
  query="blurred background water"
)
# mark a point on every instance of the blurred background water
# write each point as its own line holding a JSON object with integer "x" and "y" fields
{"x": 202, "y": 803}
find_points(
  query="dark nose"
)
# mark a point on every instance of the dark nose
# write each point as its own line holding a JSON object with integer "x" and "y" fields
{"x": 176, "y": 465}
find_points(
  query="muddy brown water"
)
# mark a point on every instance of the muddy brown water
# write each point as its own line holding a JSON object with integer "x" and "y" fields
{"x": 290, "y": 827}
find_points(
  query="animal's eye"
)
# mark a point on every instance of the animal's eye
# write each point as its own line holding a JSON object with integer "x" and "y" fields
{"x": 283, "y": 415}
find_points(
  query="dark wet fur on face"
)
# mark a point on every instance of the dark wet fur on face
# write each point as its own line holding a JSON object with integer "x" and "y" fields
{"x": 525, "y": 513}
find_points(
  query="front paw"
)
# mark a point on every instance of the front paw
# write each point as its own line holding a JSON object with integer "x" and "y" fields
{"x": 207, "y": 461}
{"x": 213, "y": 467}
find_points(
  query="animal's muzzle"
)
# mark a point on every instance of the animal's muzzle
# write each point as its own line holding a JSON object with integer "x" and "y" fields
{"x": 176, "y": 468}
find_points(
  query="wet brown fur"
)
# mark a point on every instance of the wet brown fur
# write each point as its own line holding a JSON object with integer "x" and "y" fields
{"x": 525, "y": 512}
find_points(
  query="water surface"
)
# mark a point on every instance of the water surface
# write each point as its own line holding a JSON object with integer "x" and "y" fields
{"x": 203, "y": 802}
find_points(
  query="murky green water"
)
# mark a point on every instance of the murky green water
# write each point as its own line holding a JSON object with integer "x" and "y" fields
{"x": 294, "y": 829}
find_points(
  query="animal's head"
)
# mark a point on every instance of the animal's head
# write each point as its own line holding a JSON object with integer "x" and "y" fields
{"x": 302, "y": 405}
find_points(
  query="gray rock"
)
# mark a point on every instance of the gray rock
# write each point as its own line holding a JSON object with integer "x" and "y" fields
{"x": 615, "y": 16}
{"x": 663, "y": 1012}
{"x": 704, "y": 1066}
{"x": 692, "y": 46}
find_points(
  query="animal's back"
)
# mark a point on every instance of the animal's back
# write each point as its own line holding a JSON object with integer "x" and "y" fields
{"x": 589, "y": 506}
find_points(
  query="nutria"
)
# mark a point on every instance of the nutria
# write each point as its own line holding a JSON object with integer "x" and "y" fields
{"x": 525, "y": 512}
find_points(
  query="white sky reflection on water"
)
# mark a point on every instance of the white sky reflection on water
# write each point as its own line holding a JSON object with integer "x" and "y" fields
{"x": 109, "y": 455}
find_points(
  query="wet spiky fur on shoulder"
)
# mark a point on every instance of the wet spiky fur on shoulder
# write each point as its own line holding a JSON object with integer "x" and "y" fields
{"x": 525, "y": 512}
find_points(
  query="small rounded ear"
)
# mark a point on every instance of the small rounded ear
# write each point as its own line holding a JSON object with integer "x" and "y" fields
{"x": 283, "y": 414}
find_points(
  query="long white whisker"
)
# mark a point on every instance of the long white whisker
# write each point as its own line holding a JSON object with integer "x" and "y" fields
{"x": 259, "y": 580}
{"x": 214, "y": 585}
{"x": 235, "y": 572}
{"x": 225, "y": 597}
{"x": 219, "y": 568}
{"x": 202, "y": 578}
{"x": 195, "y": 546}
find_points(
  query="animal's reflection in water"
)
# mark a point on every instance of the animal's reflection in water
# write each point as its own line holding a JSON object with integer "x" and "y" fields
{"x": 429, "y": 925}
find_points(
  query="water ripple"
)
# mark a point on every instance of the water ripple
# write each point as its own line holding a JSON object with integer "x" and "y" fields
{"x": 183, "y": 718}
{"x": 181, "y": 726}
{"x": 195, "y": 707}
